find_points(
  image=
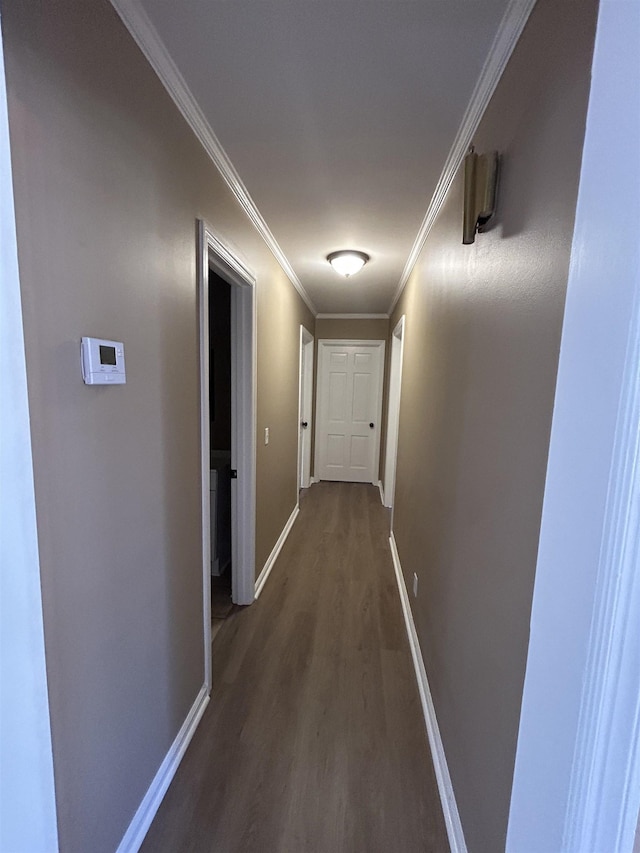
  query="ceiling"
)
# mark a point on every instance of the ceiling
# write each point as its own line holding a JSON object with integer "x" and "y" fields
{"x": 338, "y": 118}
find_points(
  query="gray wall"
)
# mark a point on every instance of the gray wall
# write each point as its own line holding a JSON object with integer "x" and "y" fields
{"x": 109, "y": 182}
{"x": 480, "y": 360}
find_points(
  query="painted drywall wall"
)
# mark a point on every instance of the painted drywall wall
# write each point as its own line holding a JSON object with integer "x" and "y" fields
{"x": 352, "y": 329}
{"x": 481, "y": 352}
{"x": 109, "y": 182}
{"x": 27, "y": 796}
{"x": 582, "y": 782}
{"x": 281, "y": 313}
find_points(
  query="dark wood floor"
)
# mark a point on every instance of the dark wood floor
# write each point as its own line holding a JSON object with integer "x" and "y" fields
{"x": 314, "y": 740}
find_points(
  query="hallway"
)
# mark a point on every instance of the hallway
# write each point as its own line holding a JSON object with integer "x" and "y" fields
{"x": 314, "y": 740}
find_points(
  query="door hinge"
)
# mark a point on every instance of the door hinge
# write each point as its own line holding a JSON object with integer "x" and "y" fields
{"x": 234, "y": 474}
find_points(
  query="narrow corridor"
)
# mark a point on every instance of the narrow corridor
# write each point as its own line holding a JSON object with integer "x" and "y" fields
{"x": 314, "y": 740}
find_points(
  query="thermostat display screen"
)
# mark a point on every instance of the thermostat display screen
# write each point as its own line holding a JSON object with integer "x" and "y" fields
{"x": 107, "y": 355}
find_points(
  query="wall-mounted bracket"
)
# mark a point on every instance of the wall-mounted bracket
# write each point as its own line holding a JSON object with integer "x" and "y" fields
{"x": 480, "y": 182}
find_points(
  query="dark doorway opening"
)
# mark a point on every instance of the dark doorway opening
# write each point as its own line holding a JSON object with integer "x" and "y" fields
{"x": 220, "y": 448}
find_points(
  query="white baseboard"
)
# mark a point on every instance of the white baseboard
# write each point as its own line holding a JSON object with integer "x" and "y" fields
{"x": 273, "y": 556}
{"x": 139, "y": 826}
{"x": 445, "y": 787}
{"x": 381, "y": 492}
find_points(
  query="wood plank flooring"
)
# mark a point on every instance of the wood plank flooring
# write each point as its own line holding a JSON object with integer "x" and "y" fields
{"x": 314, "y": 740}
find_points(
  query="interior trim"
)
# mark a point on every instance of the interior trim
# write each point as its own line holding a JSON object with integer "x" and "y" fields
{"x": 511, "y": 27}
{"x": 228, "y": 264}
{"x": 445, "y": 786}
{"x": 148, "y": 40}
{"x": 394, "y": 396}
{"x": 609, "y": 722}
{"x": 305, "y": 396}
{"x": 273, "y": 556}
{"x": 213, "y": 254}
{"x": 28, "y": 810}
{"x": 142, "y": 819}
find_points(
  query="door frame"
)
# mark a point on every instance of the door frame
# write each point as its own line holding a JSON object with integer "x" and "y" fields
{"x": 329, "y": 342}
{"x": 28, "y": 815}
{"x": 305, "y": 395}
{"x": 214, "y": 254}
{"x": 578, "y": 753}
{"x": 393, "y": 414}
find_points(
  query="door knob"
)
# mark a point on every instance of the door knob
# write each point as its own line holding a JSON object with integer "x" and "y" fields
{"x": 371, "y": 426}
{"x": 304, "y": 424}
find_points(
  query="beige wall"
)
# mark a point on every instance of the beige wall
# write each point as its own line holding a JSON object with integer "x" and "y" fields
{"x": 109, "y": 183}
{"x": 348, "y": 329}
{"x": 480, "y": 360}
{"x": 282, "y": 312}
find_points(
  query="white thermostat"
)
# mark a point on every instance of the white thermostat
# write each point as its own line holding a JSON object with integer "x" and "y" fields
{"x": 103, "y": 362}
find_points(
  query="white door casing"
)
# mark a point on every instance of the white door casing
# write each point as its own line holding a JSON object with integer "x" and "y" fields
{"x": 305, "y": 406}
{"x": 349, "y": 410}
{"x": 28, "y": 802}
{"x": 576, "y": 781}
{"x": 212, "y": 253}
{"x": 393, "y": 418}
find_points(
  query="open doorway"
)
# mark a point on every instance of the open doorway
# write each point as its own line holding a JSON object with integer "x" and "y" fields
{"x": 393, "y": 421}
{"x": 226, "y": 298}
{"x": 305, "y": 407}
{"x": 220, "y": 448}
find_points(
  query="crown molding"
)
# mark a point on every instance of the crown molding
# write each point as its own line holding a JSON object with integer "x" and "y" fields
{"x": 352, "y": 316}
{"x": 148, "y": 40}
{"x": 510, "y": 29}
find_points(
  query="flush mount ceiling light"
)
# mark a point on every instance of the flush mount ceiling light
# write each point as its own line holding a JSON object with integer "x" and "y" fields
{"x": 347, "y": 262}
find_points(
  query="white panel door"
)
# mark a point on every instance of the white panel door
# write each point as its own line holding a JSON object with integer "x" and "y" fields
{"x": 348, "y": 410}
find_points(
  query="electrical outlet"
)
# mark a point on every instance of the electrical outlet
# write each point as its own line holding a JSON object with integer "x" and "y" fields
{"x": 415, "y": 585}
{"x": 266, "y": 435}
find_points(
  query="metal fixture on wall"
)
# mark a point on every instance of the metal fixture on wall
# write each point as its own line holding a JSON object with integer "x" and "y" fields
{"x": 480, "y": 181}
{"x": 348, "y": 261}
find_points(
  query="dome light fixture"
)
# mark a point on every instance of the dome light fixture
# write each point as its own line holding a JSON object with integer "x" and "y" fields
{"x": 347, "y": 262}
